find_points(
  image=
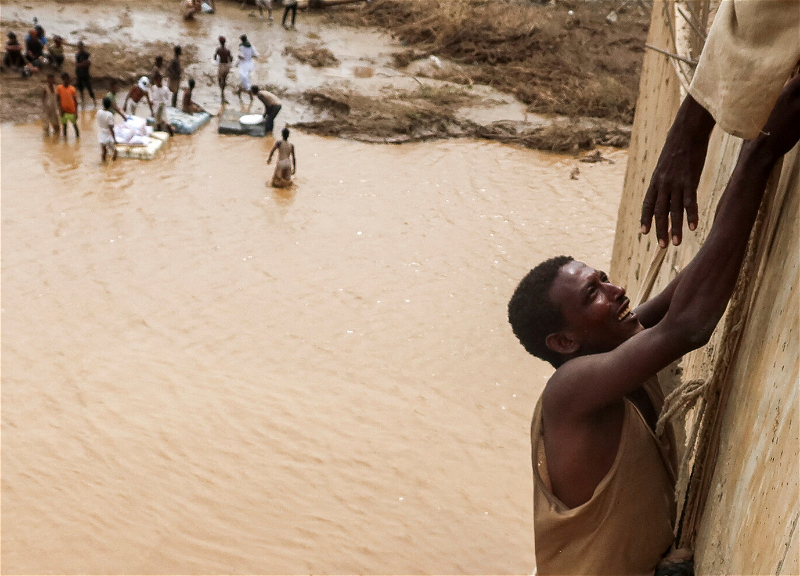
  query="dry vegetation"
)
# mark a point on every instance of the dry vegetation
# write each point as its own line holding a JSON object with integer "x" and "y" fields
{"x": 430, "y": 112}
{"x": 557, "y": 63}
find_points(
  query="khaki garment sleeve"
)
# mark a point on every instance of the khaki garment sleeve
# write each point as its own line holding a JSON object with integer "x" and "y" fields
{"x": 752, "y": 48}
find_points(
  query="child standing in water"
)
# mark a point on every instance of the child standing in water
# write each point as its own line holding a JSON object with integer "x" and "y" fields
{"x": 160, "y": 96}
{"x": 105, "y": 131}
{"x": 67, "y": 104}
{"x": 223, "y": 58}
{"x": 50, "y": 116}
{"x": 287, "y": 162}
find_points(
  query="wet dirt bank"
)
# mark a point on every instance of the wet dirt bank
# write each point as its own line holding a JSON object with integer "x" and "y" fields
{"x": 339, "y": 76}
{"x": 570, "y": 58}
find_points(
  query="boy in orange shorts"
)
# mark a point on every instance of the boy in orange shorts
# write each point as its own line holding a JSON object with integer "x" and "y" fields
{"x": 67, "y": 98}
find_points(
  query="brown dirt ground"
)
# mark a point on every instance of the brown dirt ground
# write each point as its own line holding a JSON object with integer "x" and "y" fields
{"x": 555, "y": 62}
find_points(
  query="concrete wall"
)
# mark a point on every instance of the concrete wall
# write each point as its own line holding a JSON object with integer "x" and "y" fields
{"x": 750, "y": 521}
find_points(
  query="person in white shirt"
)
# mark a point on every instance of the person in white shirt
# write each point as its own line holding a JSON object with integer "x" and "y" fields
{"x": 246, "y": 65}
{"x": 160, "y": 96}
{"x": 105, "y": 131}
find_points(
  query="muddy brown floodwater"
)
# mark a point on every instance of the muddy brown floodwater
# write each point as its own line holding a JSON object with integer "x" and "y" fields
{"x": 205, "y": 375}
{"x": 202, "y": 374}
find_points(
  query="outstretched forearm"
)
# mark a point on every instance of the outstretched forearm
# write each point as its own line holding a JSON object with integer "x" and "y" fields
{"x": 706, "y": 284}
{"x": 702, "y": 290}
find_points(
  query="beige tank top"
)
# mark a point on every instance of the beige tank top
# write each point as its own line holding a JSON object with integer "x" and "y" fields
{"x": 49, "y": 103}
{"x": 627, "y": 525}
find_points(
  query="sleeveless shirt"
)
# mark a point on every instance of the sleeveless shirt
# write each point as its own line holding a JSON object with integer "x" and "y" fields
{"x": 627, "y": 525}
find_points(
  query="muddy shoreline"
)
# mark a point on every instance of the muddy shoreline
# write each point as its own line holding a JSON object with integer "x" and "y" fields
{"x": 493, "y": 81}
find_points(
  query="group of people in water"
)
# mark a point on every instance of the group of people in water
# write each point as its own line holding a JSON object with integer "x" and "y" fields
{"x": 159, "y": 89}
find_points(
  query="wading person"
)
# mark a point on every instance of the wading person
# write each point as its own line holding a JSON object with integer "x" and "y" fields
{"x": 289, "y": 6}
{"x": 286, "y": 165}
{"x": 67, "y": 105}
{"x": 272, "y": 105}
{"x": 82, "y": 74}
{"x": 105, "y": 131}
{"x": 160, "y": 97}
{"x": 174, "y": 73}
{"x": 224, "y": 59}
{"x": 112, "y": 96}
{"x": 603, "y": 482}
{"x": 246, "y": 54}
{"x": 138, "y": 91}
{"x": 50, "y": 115}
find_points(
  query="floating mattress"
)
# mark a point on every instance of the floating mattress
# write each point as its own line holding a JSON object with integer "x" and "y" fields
{"x": 229, "y": 124}
{"x": 185, "y": 123}
{"x": 146, "y": 151}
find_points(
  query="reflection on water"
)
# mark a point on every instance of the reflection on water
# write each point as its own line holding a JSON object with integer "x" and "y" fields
{"x": 202, "y": 374}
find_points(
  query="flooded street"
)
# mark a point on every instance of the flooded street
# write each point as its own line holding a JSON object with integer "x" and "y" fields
{"x": 202, "y": 374}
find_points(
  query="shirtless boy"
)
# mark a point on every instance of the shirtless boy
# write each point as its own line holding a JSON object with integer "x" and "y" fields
{"x": 287, "y": 162}
{"x": 135, "y": 94}
{"x": 224, "y": 60}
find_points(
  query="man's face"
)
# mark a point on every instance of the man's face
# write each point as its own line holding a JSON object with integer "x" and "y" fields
{"x": 65, "y": 80}
{"x": 596, "y": 313}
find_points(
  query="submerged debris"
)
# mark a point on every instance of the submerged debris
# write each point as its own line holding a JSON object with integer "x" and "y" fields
{"x": 312, "y": 54}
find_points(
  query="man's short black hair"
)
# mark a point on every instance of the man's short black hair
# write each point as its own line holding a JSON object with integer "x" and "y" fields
{"x": 254, "y": 89}
{"x": 177, "y": 50}
{"x": 531, "y": 313}
{"x": 107, "y": 102}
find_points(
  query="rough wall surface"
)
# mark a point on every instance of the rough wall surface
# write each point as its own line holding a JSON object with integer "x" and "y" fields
{"x": 750, "y": 521}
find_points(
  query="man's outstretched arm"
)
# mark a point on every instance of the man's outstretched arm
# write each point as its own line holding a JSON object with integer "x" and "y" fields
{"x": 702, "y": 290}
